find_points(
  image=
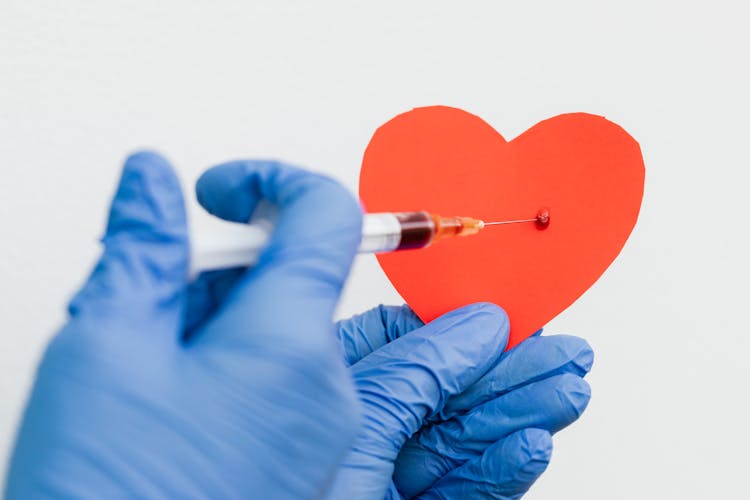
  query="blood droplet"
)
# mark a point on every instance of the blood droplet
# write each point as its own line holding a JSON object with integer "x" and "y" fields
{"x": 542, "y": 218}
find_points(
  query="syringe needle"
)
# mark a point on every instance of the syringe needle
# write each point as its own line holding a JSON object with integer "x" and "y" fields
{"x": 498, "y": 222}
{"x": 542, "y": 220}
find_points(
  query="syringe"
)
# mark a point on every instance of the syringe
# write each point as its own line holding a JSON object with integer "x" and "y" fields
{"x": 381, "y": 232}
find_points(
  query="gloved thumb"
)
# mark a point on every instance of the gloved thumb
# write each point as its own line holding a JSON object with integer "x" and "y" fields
{"x": 301, "y": 271}
{"x": 143, "y": 270}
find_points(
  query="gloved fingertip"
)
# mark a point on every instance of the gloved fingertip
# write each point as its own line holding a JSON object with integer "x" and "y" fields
{"x": 227, "y": 191}
{"x": 154, "y": 171}
{"x": 586, "y": 357}
{"x": 487, "y": 325}
{"x": 579, "y": 351}
{"x": 488, "y": 310}
{"x": 510, "y": 466}
{"x": 147, "y": 158}
{"x": 487, "y": 318}
{"x": 536, "y": 451}
{"x": 149, "y": 199}
{"x": 575, "y": 393}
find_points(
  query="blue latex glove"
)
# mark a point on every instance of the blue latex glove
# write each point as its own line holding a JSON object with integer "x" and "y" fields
{"x": 447, "y": 413}
{"x": 246, "y": 398}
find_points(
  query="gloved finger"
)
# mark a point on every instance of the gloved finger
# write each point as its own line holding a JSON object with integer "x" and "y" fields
{"x": 205, "y": 294}
{"x": 506, "y": 470}
{"x": 364, "y": 333}
{"x": 302, "y": 269}
{"x": 550, "y": 404}
{"x": 533, "y": 359}
{"x": 143, "y": 270}
{"x": 411, "y": 378}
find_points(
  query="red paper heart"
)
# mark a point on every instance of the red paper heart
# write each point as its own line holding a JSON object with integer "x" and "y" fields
{"x": 588, "y": 171}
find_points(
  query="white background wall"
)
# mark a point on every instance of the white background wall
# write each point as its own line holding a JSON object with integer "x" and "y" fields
{"x": 84, "y": 83}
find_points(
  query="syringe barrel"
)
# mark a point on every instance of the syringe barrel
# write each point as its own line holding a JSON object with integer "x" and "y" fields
{"x": 386, "y": 232}
{"x": 381, "y": 232}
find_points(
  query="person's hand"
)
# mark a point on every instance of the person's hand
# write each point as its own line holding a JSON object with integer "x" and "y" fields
{"x": 246, "y": 398}
{"x": 448, "y": 414}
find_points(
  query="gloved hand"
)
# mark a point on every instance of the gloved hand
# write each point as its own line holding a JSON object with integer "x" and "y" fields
{"x": 448, "y": 414}
{"x": 248, "y": 398}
